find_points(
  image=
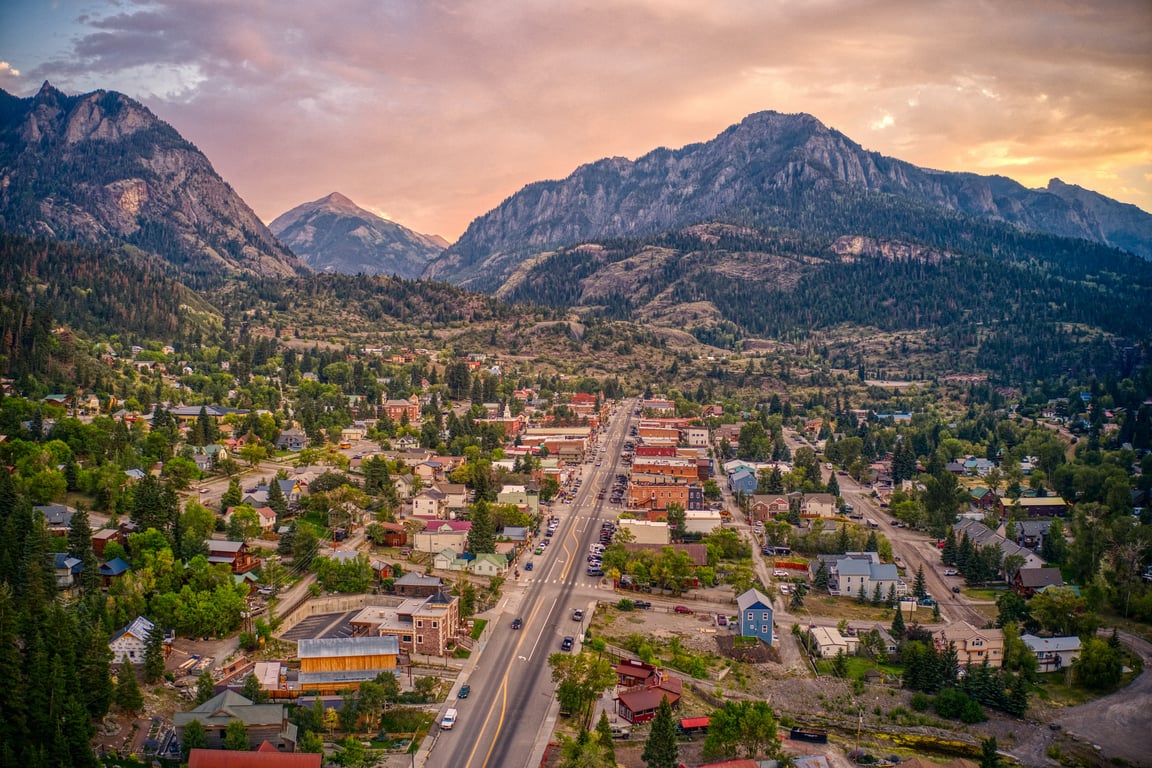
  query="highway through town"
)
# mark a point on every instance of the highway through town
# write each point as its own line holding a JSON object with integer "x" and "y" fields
{"x": 512, "y": 691}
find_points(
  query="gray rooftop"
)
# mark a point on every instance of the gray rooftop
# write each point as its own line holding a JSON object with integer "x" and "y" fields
{"x": 328, "y": 647}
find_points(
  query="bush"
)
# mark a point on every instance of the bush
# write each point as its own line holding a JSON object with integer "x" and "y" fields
{"x": 954, "y": 704}
{"x": 920, "y": 702}
{"x": 625, "y": 604}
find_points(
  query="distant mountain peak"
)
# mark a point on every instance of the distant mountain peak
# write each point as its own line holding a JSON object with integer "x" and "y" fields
{"x": 333, "y": 234}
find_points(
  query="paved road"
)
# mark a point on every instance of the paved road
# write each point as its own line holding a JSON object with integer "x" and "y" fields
{"x": 508, "y": 715}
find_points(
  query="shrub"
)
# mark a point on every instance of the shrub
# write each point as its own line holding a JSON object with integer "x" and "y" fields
{"x": 920, "y": 702}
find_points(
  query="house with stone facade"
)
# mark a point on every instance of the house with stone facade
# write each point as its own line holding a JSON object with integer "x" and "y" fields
{"x": 427, "y": 625}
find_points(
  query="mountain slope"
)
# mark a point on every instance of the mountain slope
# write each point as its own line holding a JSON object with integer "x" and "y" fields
{"x": 333, "y": 234}
{"x": 758, "y": 173}
{"x": 101, "y": 168}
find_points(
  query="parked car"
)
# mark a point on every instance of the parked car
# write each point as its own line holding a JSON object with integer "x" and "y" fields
{"x": 641, "y": 604}
{"x": 566, "y": 643}
{"x": 528, "y": 565}
{"x": 578, "y": 615}
{"x": 464, "y": 691}
{"x": 721, "y": 620}
{"x": 683, "y": 609}
{"x": 950, "y": 572}
{"x": 956, "y": 590}
{"x": 780, "y": 573}
{"x": 517, "y": 623}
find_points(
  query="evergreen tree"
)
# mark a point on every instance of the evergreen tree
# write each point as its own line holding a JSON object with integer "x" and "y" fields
{"x": 989, "y": 753}
{"x": 872, "y": 544}
{"x": 482, "y": 537}
{"x": 154, "y": 655}
{"x": 128, "y": 696}
{"x": 93, "y": 669}
{"x": 948, "y": 554}
{"x": 604, "y": 734}
{"x": 276, "y": 499}
{"x": 898, "y": 626}
{"x": 253, "y": 691}
{"x": 877, "y": 595}
{"x": 920, "y": 586}
{"x": 233, "y": 496}
{"x": 195, "y": 737}
{"x": 843, "y": 540}
{"x": 891, "y": 601}
{"x": 833, "y": 485}
{"x": 861, "y": 595}
{"x": 822, "y": 578}
{"x": 661, "y": 749}
{"x": 80, "y": 546}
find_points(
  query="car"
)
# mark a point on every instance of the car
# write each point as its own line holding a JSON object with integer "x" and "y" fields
{"x": 595, "y": 570}
{"x": 683, "y": 609}
{"x": 567, "y": 643}
{"x": 721, "y": 620}
{"x": 780, "y": 573}
{"x": 517, "y": 623}
{"x": 449, "y": 719}
{"x": 539, "y": 550}
{"x": 784, "y": 590}
{"x": 578, "y": 615}
{"x": 641, "y": 604}
{"x": 950, "y": 572}
{"x": 528, "y": 565}
{"x": 464, "y": 691}
{"x": 956, "y": 590}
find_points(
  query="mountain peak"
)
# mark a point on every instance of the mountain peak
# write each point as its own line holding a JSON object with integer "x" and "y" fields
{"x": 338, "y": 200}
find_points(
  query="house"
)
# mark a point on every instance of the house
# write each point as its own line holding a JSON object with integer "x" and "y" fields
{"x": 488, "y": 564}
{"x": 113, "y": 569}
{"x": 1035, "y": 506}
{"x": 977, "y": 467}
{"x": 638, "y": 705}
{"x": 430, "y": 503}
{"x": 828, "y": 641}
{"x": 983, "y": 498}
{"x": 455, "y": 495}
{"x": 755, "y": 615}
{"x": 66, "y": 569}
{"x": 101, "y": 538}
{"x": 265, "y": 756}
{"x": 742, "y": 481}
{"x": 1053, "y": 653}
{"x": 818, "y": 505}
{"x": 765, "y": 507}
{"x": 414, "y": 584}
{"x": 395, "y": 534}
{"x": 266, "y": 516}
{"x": 1031, "y": 533}
{"x": 983, "y": 536}
{"x": 973, "y": 646}
{"x": 234, "y": 554}
{"x": 58, "y": 517}
{"x": 292, "y": 439}
{"x": 403, "y": 411}
{"x": 264, "y": 722}
{"x": 128, "y": 644}
{"x": 849, "y": 574}
{"x": 439, "y": 535}
{"x": 341, "y": 663}
{"x": 1029, "y": 581}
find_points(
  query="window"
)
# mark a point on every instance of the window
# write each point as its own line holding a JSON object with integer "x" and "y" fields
{"x": 764, "y": 629}
{"x": 435, "y": 624}
{"x": 406, "y": 638}
{"x": 767, "y": 615}
{"x": 751, "y": 616}
{"x": 419, "y": 639}
{"x": 419, "y": 622}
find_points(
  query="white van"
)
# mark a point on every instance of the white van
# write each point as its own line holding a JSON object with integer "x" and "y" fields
{"x": 449, "y": 719}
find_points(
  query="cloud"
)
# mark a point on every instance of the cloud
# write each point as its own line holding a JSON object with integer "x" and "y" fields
{"x": 8, "y": 74}
{"x": 436, "y": 111}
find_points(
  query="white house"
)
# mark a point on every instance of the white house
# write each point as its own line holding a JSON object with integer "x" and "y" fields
{"x": 849, "y": 574}
{"x": 702, "y": 520}
{"x": 696, "y": 437}
{"x": 829, "y": 641}
{"x": 488, "y": 564}
{"x": 1053, "y": 653}
{"x": 430, "y": 503}
{"x": 129, "y": 643}
{"x": 647, "y": 531}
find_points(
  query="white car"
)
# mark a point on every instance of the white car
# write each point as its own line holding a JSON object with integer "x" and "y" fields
{"x": 780, "y": 574}
{"x": 951, "y": 572}
{"x": 449, "y": 719}
{"x": 784, "y": 589}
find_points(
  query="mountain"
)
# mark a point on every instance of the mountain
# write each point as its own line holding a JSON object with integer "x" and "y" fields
{"x": 101, "y": 168}
{"x": 771, "y": 171}
{"x": 333, "y": 234}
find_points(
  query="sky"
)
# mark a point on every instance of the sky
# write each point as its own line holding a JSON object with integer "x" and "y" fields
{"x": 432, "y": 112}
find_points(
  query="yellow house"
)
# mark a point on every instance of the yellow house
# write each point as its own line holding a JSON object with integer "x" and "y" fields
{"x": 973, "y": 646}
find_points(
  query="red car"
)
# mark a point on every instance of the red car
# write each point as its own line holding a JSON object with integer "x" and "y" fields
{"x": 683, "y": 609}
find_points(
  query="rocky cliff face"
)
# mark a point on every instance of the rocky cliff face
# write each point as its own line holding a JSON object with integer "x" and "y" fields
{"x": 769, "y": 169}
{"x": 333, "y": 234}
{"x": 102, "y": 168}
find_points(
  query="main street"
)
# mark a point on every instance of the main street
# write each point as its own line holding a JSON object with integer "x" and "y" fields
{"x": 501, "y": 722}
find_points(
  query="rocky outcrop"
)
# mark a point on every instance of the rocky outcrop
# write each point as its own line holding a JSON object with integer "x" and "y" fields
{"x": 334, "y": 234}
{"x": 101, "y": 167}
{"x": 769, "y": 169}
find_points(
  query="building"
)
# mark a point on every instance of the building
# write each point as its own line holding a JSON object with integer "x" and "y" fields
{"x": 414, "y": 584}
{"x": 403, "y": 410}
{"x": 265, "y": 756}
{"x": 1035, "y": 506}
{"x": 341, "y": 663}
{"x": 828, "y": 641}
{"x": 264, "y": 722}
{"x": 292, "y": 439}
{"x": 973, "y": 646}
{"x": 633, "y": 672}
{"x": 849, "y": 574}
{"x": 638, "y": 705}
{"x": 647, "y": 532}
{"x": 439, "y": 535}
{"x": 234, "y": 554}
{"x": 818, "y": 505}
{"x": 66, "y": 569}
{"x": 1029, "y": 581}
{"x": 755, "y": 615}
{"x": 702, "y": 520}
{"x": 1053, "y": 653}
{"x": 128, "y": 644}
{"x": 429, "y": 625}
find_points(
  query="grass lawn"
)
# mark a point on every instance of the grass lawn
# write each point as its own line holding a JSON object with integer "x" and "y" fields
{"x": 858, "y": 665}
{"x": 1058, "y": 687}
{"x": 982, "y": 593}
{"x": 847, "y": 608}
{"x": 478, "y": 627}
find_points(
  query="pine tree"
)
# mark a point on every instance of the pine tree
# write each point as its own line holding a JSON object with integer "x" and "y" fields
{"x": 989, "y": 753}
{"x": 236, "y": 736}
{"x": 154, "y": 655}
{"x": 276, "y": 499}
{"x": 822, "y": 578}
{"x": 898, "y": 626}
{"x": 872, "y": 544}
{"x": 604, "y": 733}
{"x": 948, "y": 554}
{"x": 843, "y": 540}
{"x": 661, "y": 749}
{"x": 877, "y": 595}
{"x": 920, "y": 586}
{"x": 833, "y": 485}
{"x": 93, "y": 669}
{"x": 861, "y": 596}
{"x": 891, "y": 601}
{"x": 482, "y": 536}
{"x": 128, "y": 696}
{"x": 80, "y": 546}
{"x": 233, "y": 496}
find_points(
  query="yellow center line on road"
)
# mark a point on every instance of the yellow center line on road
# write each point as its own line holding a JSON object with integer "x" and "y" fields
{"x": 503, "y": 694}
